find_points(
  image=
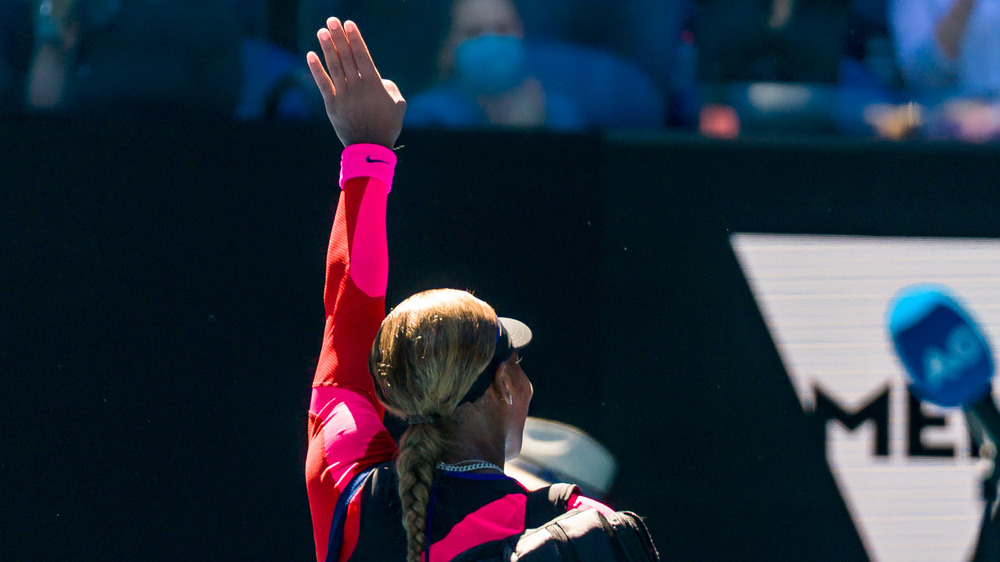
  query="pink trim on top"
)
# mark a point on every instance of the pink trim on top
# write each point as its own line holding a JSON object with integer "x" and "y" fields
{"x": 494, "y": 521}
{"x": 576, "y": 501}
{"x": 369, "y": 265}
{"x": 367, "y": 161}
{"x": 349, "y": 424}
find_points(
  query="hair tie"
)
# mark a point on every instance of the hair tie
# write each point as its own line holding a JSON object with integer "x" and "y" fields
{"x": 417, "y": 420}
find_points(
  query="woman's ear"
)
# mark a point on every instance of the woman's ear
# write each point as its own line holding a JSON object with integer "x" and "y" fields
{"x": 502, "y": 384}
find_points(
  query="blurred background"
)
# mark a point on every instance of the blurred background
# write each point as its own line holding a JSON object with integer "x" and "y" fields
{"x": 701, "y": 207}
{"x": 868, "y": 68}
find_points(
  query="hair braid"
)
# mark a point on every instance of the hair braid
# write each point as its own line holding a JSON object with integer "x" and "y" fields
{"x": 427, "y": 354}
{"x": 419, "y": 450}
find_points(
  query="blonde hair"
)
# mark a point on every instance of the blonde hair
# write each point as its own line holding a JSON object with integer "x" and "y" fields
{"x": 428, "y": 353}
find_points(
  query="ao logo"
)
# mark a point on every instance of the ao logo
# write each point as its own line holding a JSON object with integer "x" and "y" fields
{"x": 944, "y": 366}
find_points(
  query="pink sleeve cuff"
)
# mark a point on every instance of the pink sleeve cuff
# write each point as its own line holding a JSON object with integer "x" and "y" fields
{"x": 367, "y": 161}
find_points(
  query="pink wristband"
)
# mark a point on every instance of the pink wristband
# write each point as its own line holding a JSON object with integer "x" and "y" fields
{"x": 367, "y": 161}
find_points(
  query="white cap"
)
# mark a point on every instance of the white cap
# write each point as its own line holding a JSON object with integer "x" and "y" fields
{"x": 518, "y": 332}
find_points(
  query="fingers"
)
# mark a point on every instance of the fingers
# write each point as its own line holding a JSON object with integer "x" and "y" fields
{"x": 333, "y": 62}
{"x": 323, "y": 81}
{"x": 343, "y": 48}
{"x": 347, "y": 61}
{"x": 362, "y": 58}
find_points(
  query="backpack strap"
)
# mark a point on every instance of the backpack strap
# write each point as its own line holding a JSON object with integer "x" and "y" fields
{"x": 634, "y": 538}
{"x": 545, "y": 504}
{"x": 340, "y": 513}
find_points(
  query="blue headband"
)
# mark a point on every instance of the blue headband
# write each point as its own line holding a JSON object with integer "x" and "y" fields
{"x": 501, "y": 353}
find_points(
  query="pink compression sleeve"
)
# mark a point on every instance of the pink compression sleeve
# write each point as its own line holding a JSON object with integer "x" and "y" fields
{"x": 369, "y": 267}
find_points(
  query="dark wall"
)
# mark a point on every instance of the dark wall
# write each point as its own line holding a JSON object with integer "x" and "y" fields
{"x": 160, "y": 315}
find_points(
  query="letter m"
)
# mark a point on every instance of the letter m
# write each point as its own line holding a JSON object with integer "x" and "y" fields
{"x": 876, "y": 410}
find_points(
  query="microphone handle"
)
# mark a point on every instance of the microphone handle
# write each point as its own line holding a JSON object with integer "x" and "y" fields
{"x": 986, "y": 414}
{"x": 984, "y": 418}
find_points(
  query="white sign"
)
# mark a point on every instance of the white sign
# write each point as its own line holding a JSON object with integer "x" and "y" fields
{"x": 824, "y": 299}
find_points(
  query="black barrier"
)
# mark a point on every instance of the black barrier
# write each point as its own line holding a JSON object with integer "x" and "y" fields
{"x": 160, "y": 314}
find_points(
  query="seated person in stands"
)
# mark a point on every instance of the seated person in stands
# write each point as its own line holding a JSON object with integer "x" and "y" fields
{"x": 276, "y": 83}
{"x": 647, "y": 33}
{"x": 778, "y": 40}
{"x": 949, "y": 55}
{"x": 953, "y": 44}
{"x": 486, "y": 79}
{"x": 155, "y": 59}
{"x": 774, "y": 61}
{"x": 493, "y": 76}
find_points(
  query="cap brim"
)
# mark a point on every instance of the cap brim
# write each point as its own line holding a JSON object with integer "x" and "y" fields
{"x": 518, "y": 332}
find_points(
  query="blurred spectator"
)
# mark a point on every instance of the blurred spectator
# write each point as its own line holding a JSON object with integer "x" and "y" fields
{"x": 779, "y": 66}
{"x": 55, "y": 40}
{"x": 870, "y": 42}
{"x": 610, "y": 92}
{"x": 492, "y": 75}
{"x": 645, "y": 32}
{"x": 570, "y": 51}
{"x": 487, "y": 81}
{"x": 949, "y": 54}
{"x": 276, "y": 82}
{"x": 16, "y": 42}
{"x": 949, "y": 44}
{"x": 121, "y": 57}
{"x": 751, "y": 41}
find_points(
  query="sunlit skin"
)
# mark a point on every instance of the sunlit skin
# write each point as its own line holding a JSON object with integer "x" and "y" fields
{"x": 521, "y": 394}
{"x": 492, "y": 427}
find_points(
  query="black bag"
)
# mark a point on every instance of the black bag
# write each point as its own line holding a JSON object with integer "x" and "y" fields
{"x": 580, "y": 535}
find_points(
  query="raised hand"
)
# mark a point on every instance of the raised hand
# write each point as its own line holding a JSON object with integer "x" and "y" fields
{"x": 362, "y": 107}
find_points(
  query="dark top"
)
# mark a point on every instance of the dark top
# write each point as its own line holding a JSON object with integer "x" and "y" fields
{"x": 736, "y": 43}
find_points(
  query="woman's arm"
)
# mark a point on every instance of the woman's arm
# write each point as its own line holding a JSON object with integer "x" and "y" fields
{"x": 345, "y": 419}
{"x": 367, "y": 115}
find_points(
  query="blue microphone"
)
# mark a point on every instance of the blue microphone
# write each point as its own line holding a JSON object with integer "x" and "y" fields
{"x": 947, "y": 359}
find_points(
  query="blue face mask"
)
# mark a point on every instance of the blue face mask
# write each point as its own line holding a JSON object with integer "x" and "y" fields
{"x": 490, "y": 64}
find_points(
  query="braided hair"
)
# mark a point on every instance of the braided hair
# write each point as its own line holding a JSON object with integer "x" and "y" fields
{"x": 428, "y": 353}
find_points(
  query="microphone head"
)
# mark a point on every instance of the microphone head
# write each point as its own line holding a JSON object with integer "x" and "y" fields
{"x": 947, "y": 359}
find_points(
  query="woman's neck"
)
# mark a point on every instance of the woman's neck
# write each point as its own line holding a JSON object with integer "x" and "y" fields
{"x": 477, "y": 438}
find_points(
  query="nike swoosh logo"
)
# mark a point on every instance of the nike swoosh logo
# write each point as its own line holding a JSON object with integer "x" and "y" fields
{"x": 371, "y": 160}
